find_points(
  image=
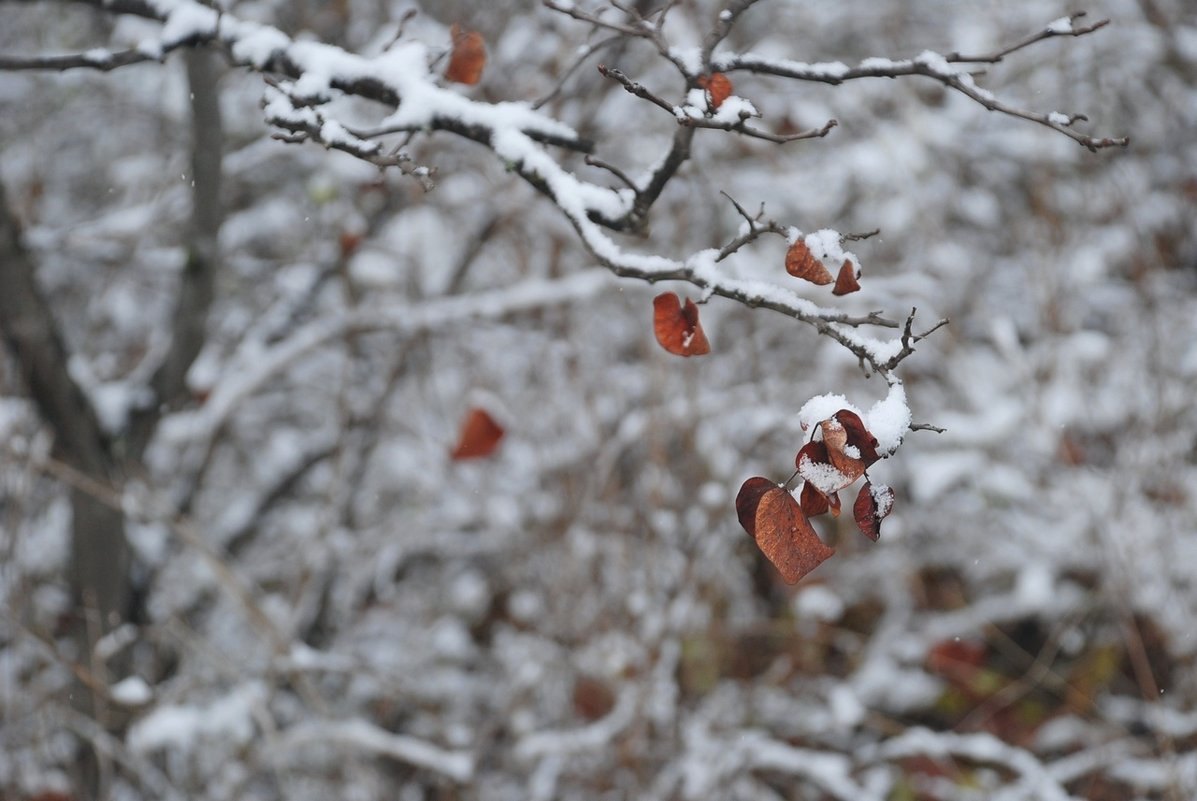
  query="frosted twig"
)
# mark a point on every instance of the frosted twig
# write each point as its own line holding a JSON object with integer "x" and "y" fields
{"x": 929, "y": 64}
{"x": 741, "y": 128}
{"x": 1051, "y": 31}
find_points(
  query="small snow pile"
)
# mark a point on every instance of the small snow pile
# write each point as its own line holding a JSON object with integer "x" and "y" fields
{"x": 821, "y": 407}
{"x": 888, "y": 420}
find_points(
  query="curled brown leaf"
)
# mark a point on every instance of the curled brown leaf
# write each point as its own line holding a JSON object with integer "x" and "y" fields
{"x": 677, "y": 327}
{"x": 873, "y": 504}
{"x": 801, "y": 263}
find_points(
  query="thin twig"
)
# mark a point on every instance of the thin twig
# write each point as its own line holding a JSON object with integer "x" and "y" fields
{"x": 1047, "y": 33}
{"x": 611, "y": 168}
{"x": 589, "y": 51}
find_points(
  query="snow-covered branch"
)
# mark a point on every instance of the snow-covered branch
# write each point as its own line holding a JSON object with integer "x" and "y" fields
{"x": 400, "y": 78}
{"x": 364, "y": 736}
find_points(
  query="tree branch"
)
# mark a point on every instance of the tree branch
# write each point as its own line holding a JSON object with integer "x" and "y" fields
{"x": 197, "y": 287}
{"x": 1065, "y": 26}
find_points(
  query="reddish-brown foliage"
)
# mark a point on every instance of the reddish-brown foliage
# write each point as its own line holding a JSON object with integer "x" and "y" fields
{"x": 677, "y": 327}
{"x": 480, "y": 435}
{"x": 468, "y": 57}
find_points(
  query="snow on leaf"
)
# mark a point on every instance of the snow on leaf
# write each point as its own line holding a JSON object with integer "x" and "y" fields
{"x": 480, "y": 436}
{"x": 468, "y": 57}
{"x": 820, "y": 407}
{"x": 677, "y": 327}
{"x": 785, "y": 536}
{"x": 718, "y": 87}
{"x": 873, "y": 504}
{"x": 815, "y": 467}
{"x": 835, "y": 438}
{"x": 858, "y": 437}
{"x": 846, "y": 283}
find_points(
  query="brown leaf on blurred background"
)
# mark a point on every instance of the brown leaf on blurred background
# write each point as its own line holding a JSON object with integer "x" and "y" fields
{"x": 468, "y": 57}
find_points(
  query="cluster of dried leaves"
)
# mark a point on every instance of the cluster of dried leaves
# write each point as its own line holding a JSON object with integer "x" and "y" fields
{"x": 842, "y": 452}
{"x": 802, "y": 263}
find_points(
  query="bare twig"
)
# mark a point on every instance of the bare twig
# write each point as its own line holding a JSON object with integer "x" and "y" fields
{"x": 637, "y": 89}
{"x": 1050, "y": 32}
{"x": 99, "y": 59}
{"x": 909, "y": 338}
{"x": 611, "y": 168}
{"x": 586, "y": 53}
{"x": 755, "y": 229}
{"x": 860, "y": 237}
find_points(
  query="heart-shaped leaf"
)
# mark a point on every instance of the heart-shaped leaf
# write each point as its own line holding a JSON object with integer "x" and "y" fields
{"x": 873, "y": 504}
{"x": 786, "y": 537}
{"x": 801, "y": 263}
{"x": 677, "y": 327}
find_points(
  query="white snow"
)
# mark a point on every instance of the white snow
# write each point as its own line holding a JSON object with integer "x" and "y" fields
{"x": 132, "y": 691}
{"x": 822, "y": 476}
{"x": 1061, "y": 26}
{"x": 822, "y": 407}
{"x": 889, "y": 419}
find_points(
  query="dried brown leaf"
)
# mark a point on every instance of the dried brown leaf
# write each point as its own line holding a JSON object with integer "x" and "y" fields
{"x": 719, "y": 88}
{"x": 479, "y": 437}
{"x": 747, "y": 500}
{"x": 786, "y": 537}
{"x": 859, "y": 437}
{"x": 801, "y": 263}
{"x": 873, "y": 504}
{"x": 813, "y": 502}
{"x": 835, "y": 437}
{"x": 845, "y": 282}
{"x": 677, "y": 327}
{"x": 468, "y": 57}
